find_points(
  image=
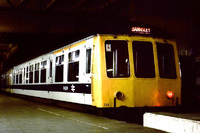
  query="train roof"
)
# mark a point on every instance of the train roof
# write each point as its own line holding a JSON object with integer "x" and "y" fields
{"x": 137, "y": 33}
{"x": 124, "y": 28}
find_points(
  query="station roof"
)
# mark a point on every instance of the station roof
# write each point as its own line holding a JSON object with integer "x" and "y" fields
{"x": 45, "y": 23}
{"x": 6, "y": 50}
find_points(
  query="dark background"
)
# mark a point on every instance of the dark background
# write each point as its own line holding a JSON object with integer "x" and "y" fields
{"x": 39, "y": 26}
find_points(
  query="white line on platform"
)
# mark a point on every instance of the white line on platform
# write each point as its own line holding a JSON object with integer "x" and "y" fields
{"x": 106, "y": 128}
{"x": 51, "y": 112}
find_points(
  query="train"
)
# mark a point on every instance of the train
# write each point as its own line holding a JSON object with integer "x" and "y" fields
{"x": 104, "y": 71}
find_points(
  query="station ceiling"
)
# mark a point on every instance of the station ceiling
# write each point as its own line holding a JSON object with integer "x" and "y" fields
{"x": 37, "y": 26}
{"x": 58, "y": 16}
{"x": 32, "y": 23}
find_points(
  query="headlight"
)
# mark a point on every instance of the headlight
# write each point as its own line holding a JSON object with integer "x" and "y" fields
{"x": 119, "y": 95}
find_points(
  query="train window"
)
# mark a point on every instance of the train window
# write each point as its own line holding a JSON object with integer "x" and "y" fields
{"x": 43, "y": 65}
{"x": 166, "y": 61}
{"x": 60, "y": 60}
{"x": 88, "y": 61}
{"x": 59, "y": 73}
{"x": 51, "y": 68}
{"x": 59, "y": 68}
{"x": 20, "y": 76}
{"x": 37, "y": 66}
{"x": 77, "y": 53}
{"x": 24, "y": 71}
{"x": 31, "y": 74}
{"x": 43, "y": 72}
{"x": 73, "y": 66}
{"x": 27, "y": 74}
{"x": 17, "y": 79}
{"x": 14, "y": 77}
{"x": 117, "y": 59}
{"x": 73, "y": 71}
{"x": 73, "y": 56}
{"x": 69, "y": 57}
{"x": 143, "y": 59}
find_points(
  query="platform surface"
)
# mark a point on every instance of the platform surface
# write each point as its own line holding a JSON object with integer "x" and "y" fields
{"x": 22, "y": 116}
{"x": 171, "y": 122}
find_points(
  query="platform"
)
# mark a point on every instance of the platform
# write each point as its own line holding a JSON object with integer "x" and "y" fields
{"x": 171, "y": 122}
{"x": 25, "y": 116}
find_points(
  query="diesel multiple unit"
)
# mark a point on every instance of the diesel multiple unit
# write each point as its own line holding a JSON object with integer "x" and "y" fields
{"x": 105, "y": 71}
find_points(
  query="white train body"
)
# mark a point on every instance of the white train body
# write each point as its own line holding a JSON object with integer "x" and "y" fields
{"x": 31, "y": 79}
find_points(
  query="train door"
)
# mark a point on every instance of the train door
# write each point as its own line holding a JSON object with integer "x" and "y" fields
{"x": 87, "y": 71}
{"x": 112, "y": 84}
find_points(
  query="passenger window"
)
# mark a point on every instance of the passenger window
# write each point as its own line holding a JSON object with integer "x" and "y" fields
{"x": 117, "y": 58}
{"x": 143, "y": 59}
{"x": 37, "y": 66}
{"x": 77, "y": 53}
{"x": 27, "y": 75}
{"x": 14, "y": 77}
{"x": 59, "y": 68}
{"x": 20, "y": 75}
{"x": 88, "y": 61}
{"x": 51, "y": 69}
{"x": 17, "y": 78}
{"x": 73, "y": 56}
{"x": 43, "y": 72}
{"x": 24, "y": 71}
{"x": 31, "y": 74}
{"x": 166, "y": 61}
{"x": 73, "y": 66}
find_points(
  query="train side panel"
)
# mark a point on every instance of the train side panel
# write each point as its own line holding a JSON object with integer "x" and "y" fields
{"x": 47, "y": 76}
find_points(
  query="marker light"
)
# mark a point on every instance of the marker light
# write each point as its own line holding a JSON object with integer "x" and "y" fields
{"x": 170, "y": 94}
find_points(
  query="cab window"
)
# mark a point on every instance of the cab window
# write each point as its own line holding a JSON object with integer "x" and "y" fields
{"x": 143, "y": 59}
{"x": 117, "y": 59}
{"x": 166, "y": 61}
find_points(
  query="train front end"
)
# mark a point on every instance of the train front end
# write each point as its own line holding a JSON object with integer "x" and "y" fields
{"x": 135, "y": 71}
